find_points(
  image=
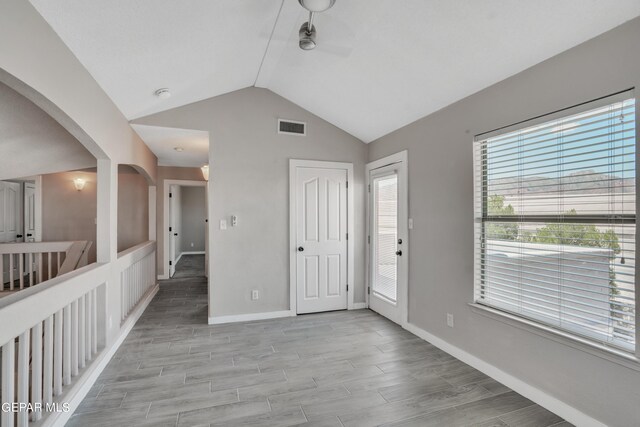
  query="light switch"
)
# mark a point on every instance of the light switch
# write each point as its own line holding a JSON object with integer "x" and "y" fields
{"x": 223, "y": 224}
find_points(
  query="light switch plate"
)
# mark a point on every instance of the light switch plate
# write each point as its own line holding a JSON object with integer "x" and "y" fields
{"x": 223, "y": 224}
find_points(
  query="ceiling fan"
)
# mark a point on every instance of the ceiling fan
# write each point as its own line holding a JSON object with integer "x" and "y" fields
{"x": 307, "y": 31}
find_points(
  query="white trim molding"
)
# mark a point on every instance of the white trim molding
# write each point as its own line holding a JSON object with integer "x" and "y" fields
{"x": 165, "y": 220}
{"x": 293, "y": 165}
{"x": 234, "y": 318}
{"x": 536, "y": 395}
{"x": 359, "y": 305}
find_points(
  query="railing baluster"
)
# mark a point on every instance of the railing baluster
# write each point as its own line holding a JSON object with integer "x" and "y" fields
{"x": 81, "y": 312}
{"x": 1, "y": 272}
{"x": 21, "y": 270}
{"x": 8, "y": 378}
{"x": 23, "y": 376}
{"x": 66, "y": 342}
{"x": 94, "y": 321}
{"x": 122, "y": 297}
{"x": 87, "y": 327}
{"x": 30, "y": 267}
{"x": 57, "y": 353}
{"x": 36, "y": 369}
{"x": 74, "y": 338}
{"x": 11, "y": 279}
{"x": 47, "y": 365}
{"x": 39, "y": 279}
{"x": 49, "y": 265}
{"x": 58, "y": 257}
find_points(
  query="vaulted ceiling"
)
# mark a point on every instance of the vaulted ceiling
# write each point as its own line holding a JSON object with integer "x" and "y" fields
{"x": 379, "y": 65}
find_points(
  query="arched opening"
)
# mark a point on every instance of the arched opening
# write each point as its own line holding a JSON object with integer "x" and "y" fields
{"x": 48, "y": 196}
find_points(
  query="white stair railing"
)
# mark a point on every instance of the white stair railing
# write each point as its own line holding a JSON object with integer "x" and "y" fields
{"x": 53, "y": 337}
{"x": 137, "y": 275}
{"x": 31, "y": 263}
{"x": 49, "y": 334}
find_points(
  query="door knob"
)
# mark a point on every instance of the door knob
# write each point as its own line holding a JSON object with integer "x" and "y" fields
{"x": 29, "y": 234}
{"x": 399, "y": 253}
{"x": 175, "y": 234}
{"x": 300, "y": 249}
{"x": 19, "y": 236}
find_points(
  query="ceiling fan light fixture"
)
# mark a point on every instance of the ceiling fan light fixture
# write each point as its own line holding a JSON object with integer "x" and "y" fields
{"x": 317, "y": 5}
{"x": 307, "y": 38}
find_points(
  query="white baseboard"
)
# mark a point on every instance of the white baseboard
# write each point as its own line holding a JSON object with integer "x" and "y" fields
{"x": 83, "y": 384}
{"x": 359, "y": 305}
{"x": 178, "y": 258}
{"x": 538, "y": 396}
{"x": 217, "y": 320}
{"x": 193, "y": 253}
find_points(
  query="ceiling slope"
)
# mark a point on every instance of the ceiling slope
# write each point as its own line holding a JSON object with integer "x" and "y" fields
{"x": 380, "y": 64}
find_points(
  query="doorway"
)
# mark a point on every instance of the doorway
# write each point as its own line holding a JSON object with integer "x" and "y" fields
{"x": 186, "y": 229}
{"x": 321, "y": 236}
{"x": 388, "y": 237}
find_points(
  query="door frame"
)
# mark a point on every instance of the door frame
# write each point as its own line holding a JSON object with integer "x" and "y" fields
{"x": 403, "y": 228}
{"x": 293, "y": 285}
{"x": 165, "y": 219}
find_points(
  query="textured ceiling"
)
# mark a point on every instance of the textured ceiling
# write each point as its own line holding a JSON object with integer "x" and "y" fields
{"x": 380, "y": 64}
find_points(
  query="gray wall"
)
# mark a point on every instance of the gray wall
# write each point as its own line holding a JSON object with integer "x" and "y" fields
{"x": 441, "y": 204}
{"x": 69, "y": 214}
{"x": 250, "y": 179}
{"x": 193, "y": 216}
{"x": 133, "y": 208}
{"x": 32, "y": 142}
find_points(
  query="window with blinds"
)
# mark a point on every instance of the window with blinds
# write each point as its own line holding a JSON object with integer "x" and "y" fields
{"x": 556, "y": 220}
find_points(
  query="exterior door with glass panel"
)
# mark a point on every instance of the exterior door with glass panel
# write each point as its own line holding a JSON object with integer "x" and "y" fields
{"x": 321, "y": 237}
{"x": 387, "y": 244}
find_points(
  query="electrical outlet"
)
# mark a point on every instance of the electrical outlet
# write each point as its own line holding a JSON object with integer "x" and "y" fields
{"x": 255, "y": 294}
{"x": 450, "y": 320}
{"x": 191, "y": 244}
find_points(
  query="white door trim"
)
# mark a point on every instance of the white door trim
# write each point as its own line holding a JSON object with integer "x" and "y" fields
{"x": 165, "y": 220}
{"x": 403, "y": 226}
{"x": 293, "y": 164}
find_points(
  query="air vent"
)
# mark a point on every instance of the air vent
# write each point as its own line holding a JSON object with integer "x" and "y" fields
{"x": 291, "y": 127}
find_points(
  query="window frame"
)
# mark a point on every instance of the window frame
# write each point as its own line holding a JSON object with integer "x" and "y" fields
{"x": 629, "y": 358}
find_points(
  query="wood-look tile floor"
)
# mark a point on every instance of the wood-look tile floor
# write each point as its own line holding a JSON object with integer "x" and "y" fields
{"x": 348, "y": 368}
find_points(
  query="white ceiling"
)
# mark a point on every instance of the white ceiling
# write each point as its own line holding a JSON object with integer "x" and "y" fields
{"x": 380, "y": 64}
{"x": 163, "y": 141}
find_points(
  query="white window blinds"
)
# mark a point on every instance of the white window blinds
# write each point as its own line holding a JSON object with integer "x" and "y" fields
{"x": 556, "y": 220}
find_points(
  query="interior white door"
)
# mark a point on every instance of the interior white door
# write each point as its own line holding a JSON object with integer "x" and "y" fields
{"x": 321, "y": 224}
{"x": 173, "y": 232}
{"x": 10, "y": 212}
{"x": 29, "y": 212}
{"x": 387, "y": 242}
{"x": 10, "y": 221}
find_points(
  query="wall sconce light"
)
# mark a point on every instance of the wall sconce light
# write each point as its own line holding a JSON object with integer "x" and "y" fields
{"x": 79, "y": 183}
{"x": 205, "y": 172}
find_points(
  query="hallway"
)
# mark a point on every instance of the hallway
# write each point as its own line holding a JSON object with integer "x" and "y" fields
{"x": 189, "y": 266}
{"x": 346, "y": 368}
